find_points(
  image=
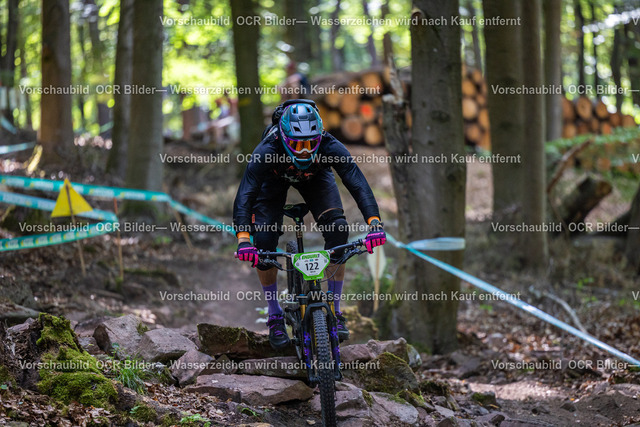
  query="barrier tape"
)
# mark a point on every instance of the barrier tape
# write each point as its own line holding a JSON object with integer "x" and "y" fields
{"x": 112, "y": 193}
{"x": 129, "y": 194}
{"x": 39, "y": 240}
{"x": 515, "y": 302}
{"x": 5, "y": 149}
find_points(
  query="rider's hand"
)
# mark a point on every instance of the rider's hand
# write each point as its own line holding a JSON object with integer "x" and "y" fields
{"x": 376, "y": 236}
{"x": 248, "y": 252}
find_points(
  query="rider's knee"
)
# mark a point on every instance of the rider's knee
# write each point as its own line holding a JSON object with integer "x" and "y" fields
{"x": 335, "y": 230}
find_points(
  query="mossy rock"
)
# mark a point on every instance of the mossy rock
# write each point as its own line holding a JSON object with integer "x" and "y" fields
{"x": 416, "y": 400}
{"x": 143, "y": 412}
{"x": 6, "y": 378}
{"x": 435, "y": 388}
{"x": 67, "y": 372}
{"x": 386, "y": 373}
{"x": 487, "y": 400}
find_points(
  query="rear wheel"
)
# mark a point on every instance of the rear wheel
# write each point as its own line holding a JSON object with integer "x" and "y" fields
{"x": 325, "y": 371}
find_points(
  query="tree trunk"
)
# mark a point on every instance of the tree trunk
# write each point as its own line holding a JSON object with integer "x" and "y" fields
{"x": 553, "y": 67}
{"x": 633, "y": 59}
{"x": 477, "y": 56}
{"x": 117, "y": 161}
{"x": 633, "y": 235}
{"x": 387, "y": 44}
{"x": 579, "y": 18}
{"x": 144, "y": 168}
{"x": 245, "y": 43}
{"x": 594, "y": 34}
{"x": 534, "y": 245}
{"x": 8, "y": 60}
{"x": 503, "y": 58}
{"x": 56, "y": 128}
{"x": 436, "y": 77}
{"x": 23, "y": 74}
{"x": 616, "y": 64}
{"x": 371, "y": 45}
{"x": 83, "y": 75}
{"x": 298, "y": 35}
{"x": 337, "y": 54}
{"x": 98, "y": 68}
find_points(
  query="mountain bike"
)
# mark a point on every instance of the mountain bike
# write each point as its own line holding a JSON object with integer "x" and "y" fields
{"x": 310, "y": 312}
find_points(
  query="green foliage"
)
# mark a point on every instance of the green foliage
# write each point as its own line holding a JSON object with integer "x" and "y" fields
{"x": 143, "y": 412}
{"x": 129, "y": 372}
{"x": 56, "y": 331}
{"x": 194, "y": 420}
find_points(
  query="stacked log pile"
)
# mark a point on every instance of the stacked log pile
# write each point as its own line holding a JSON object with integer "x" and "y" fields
{"x": 584, "y": 116}
{"x": 350, "y": 105}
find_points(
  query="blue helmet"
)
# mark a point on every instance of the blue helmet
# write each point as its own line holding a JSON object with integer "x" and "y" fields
{"x": 301, "y": 130}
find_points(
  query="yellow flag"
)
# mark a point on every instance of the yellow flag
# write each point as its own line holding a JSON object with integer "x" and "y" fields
{"x": 71, "y": 202}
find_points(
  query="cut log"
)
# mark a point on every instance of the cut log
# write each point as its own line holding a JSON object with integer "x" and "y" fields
{"x": 605, "y": 128}
{"x": 473, "y": 133}
{"x": 469, "y": 88}
{"x": 368, "y": 112}
{"x": 583, "y": 199}
{"x": 615, "y": 119}
{"x": 568, "y": 111}
{"x": 600, "y": 110}
{"x": 483, "y": 119}
{"x": 582, "y": 127}
{"x": 584, "y": 109}
{"x": 569, "y": 130}
{"x": 485, "y": 142}
{"x": 373, "y": 135}
{"x": 372, "y": 80}
{"x": 481, "y": 100}
{"x": 476, "y": 77}
{"x": 349, "y": 103}
{"x": 351, "y": 128}
{"x": 594, "y": 125}
{"x": 469, "y": 108}
{"x": 628, "y": 121}
{"x": 332, "y": 98}
{"x": 332, "y": 120}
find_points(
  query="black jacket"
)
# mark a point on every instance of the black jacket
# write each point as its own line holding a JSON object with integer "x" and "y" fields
{"x": 269, "y": 161}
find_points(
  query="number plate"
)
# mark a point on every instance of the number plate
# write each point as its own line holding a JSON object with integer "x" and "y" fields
{"x": 311, "y": 264}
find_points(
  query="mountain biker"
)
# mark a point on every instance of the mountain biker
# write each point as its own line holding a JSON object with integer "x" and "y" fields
{"x": 296, "y": 152}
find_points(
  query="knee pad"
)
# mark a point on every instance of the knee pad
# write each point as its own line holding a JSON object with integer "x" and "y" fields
{"x": 335, "y": 230}
{"x": 265, "y": 240}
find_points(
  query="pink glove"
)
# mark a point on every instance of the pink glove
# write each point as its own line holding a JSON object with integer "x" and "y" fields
{"x": 246, "y": 252}
{"x": 376, "y": 237}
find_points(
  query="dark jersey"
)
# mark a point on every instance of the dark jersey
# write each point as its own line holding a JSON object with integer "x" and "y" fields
{"x": 270, "y": 162}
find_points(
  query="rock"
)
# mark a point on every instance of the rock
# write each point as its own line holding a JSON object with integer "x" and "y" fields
{"x": 254, "y": 390}
{"x": 120, "y": 335}
{"x": 17, "y": 292}
{"x": 283, "y": 367}
{"x": 448, "y": 422}
{"x": 13, "y": 314}
{"x": 568, "y": 406}
{"x": 493, "y": 418}
{"x": 224, "y": 365}
{"x": 90, "y": 345}
{"x": 190, "y": 365}
{"x": 445, "y": 412}
{"x": 416, "y": 400}
{"x": 386, "y": 373}
{"x": 355, "y": 353}
{"x": 390, "y": 410}
{"x": 21, "y": 327}
{"x": 351, "y": 402}
{"x": 415, "y": 360}
{"x": 496, "y": 340}
{"x": 163, "y": 345}
{"x": 237, "y": 343}
{"x": 487, "y": 399}
{"x": 362, "y": 329}
{"x": 539, "y": 409}
{"x": 86, "y": 328}
{"x": 435, "y": 388}
{"x": 398, "y": 348}
{"x": 468, "y": 366}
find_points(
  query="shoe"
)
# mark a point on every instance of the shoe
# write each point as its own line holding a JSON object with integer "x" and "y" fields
{"x": 278, "y": 336}
{"x": 343, "y": 331}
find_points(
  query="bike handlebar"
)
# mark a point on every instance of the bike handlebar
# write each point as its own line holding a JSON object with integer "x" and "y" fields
{"x": 352, "y": 245}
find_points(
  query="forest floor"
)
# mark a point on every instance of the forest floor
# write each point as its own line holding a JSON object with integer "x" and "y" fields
{"x": 538, "y": 373}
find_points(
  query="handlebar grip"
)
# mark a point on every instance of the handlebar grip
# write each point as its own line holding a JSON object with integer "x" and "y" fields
{"x": 235, "y": 254}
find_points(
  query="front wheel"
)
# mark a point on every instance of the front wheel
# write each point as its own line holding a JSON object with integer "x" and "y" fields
{"x": 325, "y": 370}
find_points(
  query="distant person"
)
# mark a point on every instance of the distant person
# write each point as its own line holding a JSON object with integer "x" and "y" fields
{"x": 295, "y": 85}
